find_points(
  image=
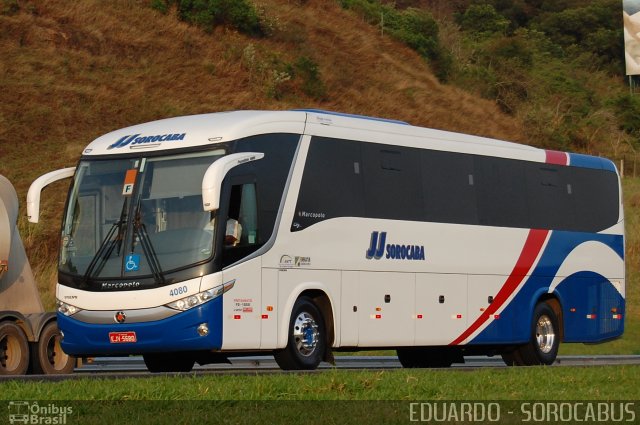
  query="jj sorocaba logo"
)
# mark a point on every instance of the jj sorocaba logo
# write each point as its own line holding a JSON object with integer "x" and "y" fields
{"x": 379, "y": 248}
{"x": 138, "y": 139}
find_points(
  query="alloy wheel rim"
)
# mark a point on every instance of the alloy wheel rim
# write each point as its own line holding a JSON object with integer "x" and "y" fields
{"x": 545, "y": 334}
{"x": 305, "y": 334}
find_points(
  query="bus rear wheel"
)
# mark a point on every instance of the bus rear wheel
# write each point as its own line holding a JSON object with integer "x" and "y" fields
{"x": 168, "y": 362}
{"x": 544, "y": 340}
{"x": 14, "y": 350}
{"x": 306, "y": 345}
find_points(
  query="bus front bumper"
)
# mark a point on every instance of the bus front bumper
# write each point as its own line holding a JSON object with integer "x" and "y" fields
{"x": 176, "y": 333}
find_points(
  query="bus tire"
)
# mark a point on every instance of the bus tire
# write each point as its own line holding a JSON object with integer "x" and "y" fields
{"x": 425, "y": 357}
{"x": 14, "y": 350}
{"x": 307, "y": 338}
{"x": 47, "y": 355}
{"x": 168, "y": 362}
{"x": 511, "y": 357}
{"x": 542, "y": 348}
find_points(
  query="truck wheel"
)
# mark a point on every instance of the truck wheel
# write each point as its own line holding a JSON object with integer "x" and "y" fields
{"x": 48, "y": 357}
{"x": 544, "y": 341}
{"x": 169, "y": 362}
{"x": 306, "y": 345}
{"x": 14, "y": 350}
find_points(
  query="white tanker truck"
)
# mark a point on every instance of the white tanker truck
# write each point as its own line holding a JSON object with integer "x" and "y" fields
{"x": 29, "y": 337}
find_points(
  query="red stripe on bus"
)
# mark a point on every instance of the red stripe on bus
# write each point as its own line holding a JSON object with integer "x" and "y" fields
{"x": 530, "y": 250}
{"x": 556, "y": 157}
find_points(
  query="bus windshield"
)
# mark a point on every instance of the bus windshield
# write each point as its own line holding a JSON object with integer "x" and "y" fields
{"x": 137, "y": 217}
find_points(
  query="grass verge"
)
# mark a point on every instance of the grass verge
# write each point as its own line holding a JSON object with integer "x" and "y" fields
{"x": 509, "y": 395}
{"x": 531, "y": 383}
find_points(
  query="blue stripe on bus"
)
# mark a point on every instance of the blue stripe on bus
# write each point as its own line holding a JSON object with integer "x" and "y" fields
{"x": 176, "y": 333}
{"x": 588, "y": 161}
{"x": 591, "y": 294}
{"x": 595, "y": 294}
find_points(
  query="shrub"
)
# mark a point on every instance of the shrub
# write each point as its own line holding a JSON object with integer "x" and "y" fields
{"x": 483, "y": 20}
{"x": 9, "y": 7}
{"x": 414, "y": 27}
{"x": 309, "y": 71}
{"x": 512, "y": 50}
{"x": 627, "y": 108}
{"x": 417, "y": 29}
{"x": 594, "y": 27}
{"x": 239, "y": 14}
{"x": 370, "y": 10}
{"x": 161, "y": 6}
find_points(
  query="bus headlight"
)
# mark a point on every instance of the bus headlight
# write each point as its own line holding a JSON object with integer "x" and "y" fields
{"x": 66, "y": 309}
{"x": 200, "y": 298}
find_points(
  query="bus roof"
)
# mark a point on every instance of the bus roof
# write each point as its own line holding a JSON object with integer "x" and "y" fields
{"x": 195, "y": 130}
{"x": 220, "y": 127}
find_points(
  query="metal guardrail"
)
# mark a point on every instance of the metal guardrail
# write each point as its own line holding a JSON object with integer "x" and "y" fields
{"x": 135, "y": 363}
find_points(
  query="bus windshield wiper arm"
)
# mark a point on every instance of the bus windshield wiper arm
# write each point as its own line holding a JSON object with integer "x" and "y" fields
{"x": 108, "y": 245}
{"x": 140, "y": 230}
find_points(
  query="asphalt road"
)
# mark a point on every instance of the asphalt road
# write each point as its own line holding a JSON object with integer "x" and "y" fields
{"x": 133, "y": 367}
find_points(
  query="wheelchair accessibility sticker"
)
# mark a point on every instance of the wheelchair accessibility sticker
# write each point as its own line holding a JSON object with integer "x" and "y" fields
{"x": 132, "y": 263}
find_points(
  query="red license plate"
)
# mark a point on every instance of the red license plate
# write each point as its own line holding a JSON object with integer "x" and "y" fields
{"x": 122, "y": 337}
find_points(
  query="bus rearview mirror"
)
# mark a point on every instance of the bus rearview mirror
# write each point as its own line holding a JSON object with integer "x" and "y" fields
{"x": 212, "y": 180}
{"x": 33, "y": 195}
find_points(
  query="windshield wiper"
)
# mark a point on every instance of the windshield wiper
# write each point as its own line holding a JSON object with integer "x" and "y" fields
{"x": 140, "y": 230}
{"x": 108, "y": 245}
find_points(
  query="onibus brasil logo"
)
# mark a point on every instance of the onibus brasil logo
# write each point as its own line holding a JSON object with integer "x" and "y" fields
{"x": 32, "y": 412}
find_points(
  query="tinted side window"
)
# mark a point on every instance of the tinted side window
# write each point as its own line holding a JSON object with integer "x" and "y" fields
{"x": 358, "y": 179}
{"x": 332, "y": 183}
{"x": 502, "y": 199}
{"x": 270, "y": 173}
{"x": 594, "y": 198}
{"x": 449, "y": 185}
{"x": 549, "y": 197}
{"x": 392, "y": 182}
{"x": 241, "y": 224}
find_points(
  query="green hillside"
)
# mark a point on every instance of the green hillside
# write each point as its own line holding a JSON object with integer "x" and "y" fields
{"x": 543, "y": 72}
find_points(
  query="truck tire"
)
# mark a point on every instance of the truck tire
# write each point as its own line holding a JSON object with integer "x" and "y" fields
{"x": 48, "y": 357}
{"x": 307, "y": 343}
{"x": 14, "y": 350}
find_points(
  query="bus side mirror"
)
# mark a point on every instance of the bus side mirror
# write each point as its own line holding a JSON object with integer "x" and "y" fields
{"x": 33, "y": 195}
{"x": 212, "y": 180}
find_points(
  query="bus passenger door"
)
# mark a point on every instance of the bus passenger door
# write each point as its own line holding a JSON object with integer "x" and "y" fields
{"x": 440, "y": 308}
{"x": 242, "y": 307}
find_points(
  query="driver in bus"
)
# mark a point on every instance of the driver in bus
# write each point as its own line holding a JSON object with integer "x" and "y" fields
{"x": 233, "y": 232}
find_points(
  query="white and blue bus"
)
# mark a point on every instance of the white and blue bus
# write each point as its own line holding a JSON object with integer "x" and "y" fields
{"x": 300, "y": 233}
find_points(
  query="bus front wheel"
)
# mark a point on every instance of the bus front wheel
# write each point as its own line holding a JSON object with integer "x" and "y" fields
{"x": 544, "y": 340}
{"x": 306, "y": 344}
